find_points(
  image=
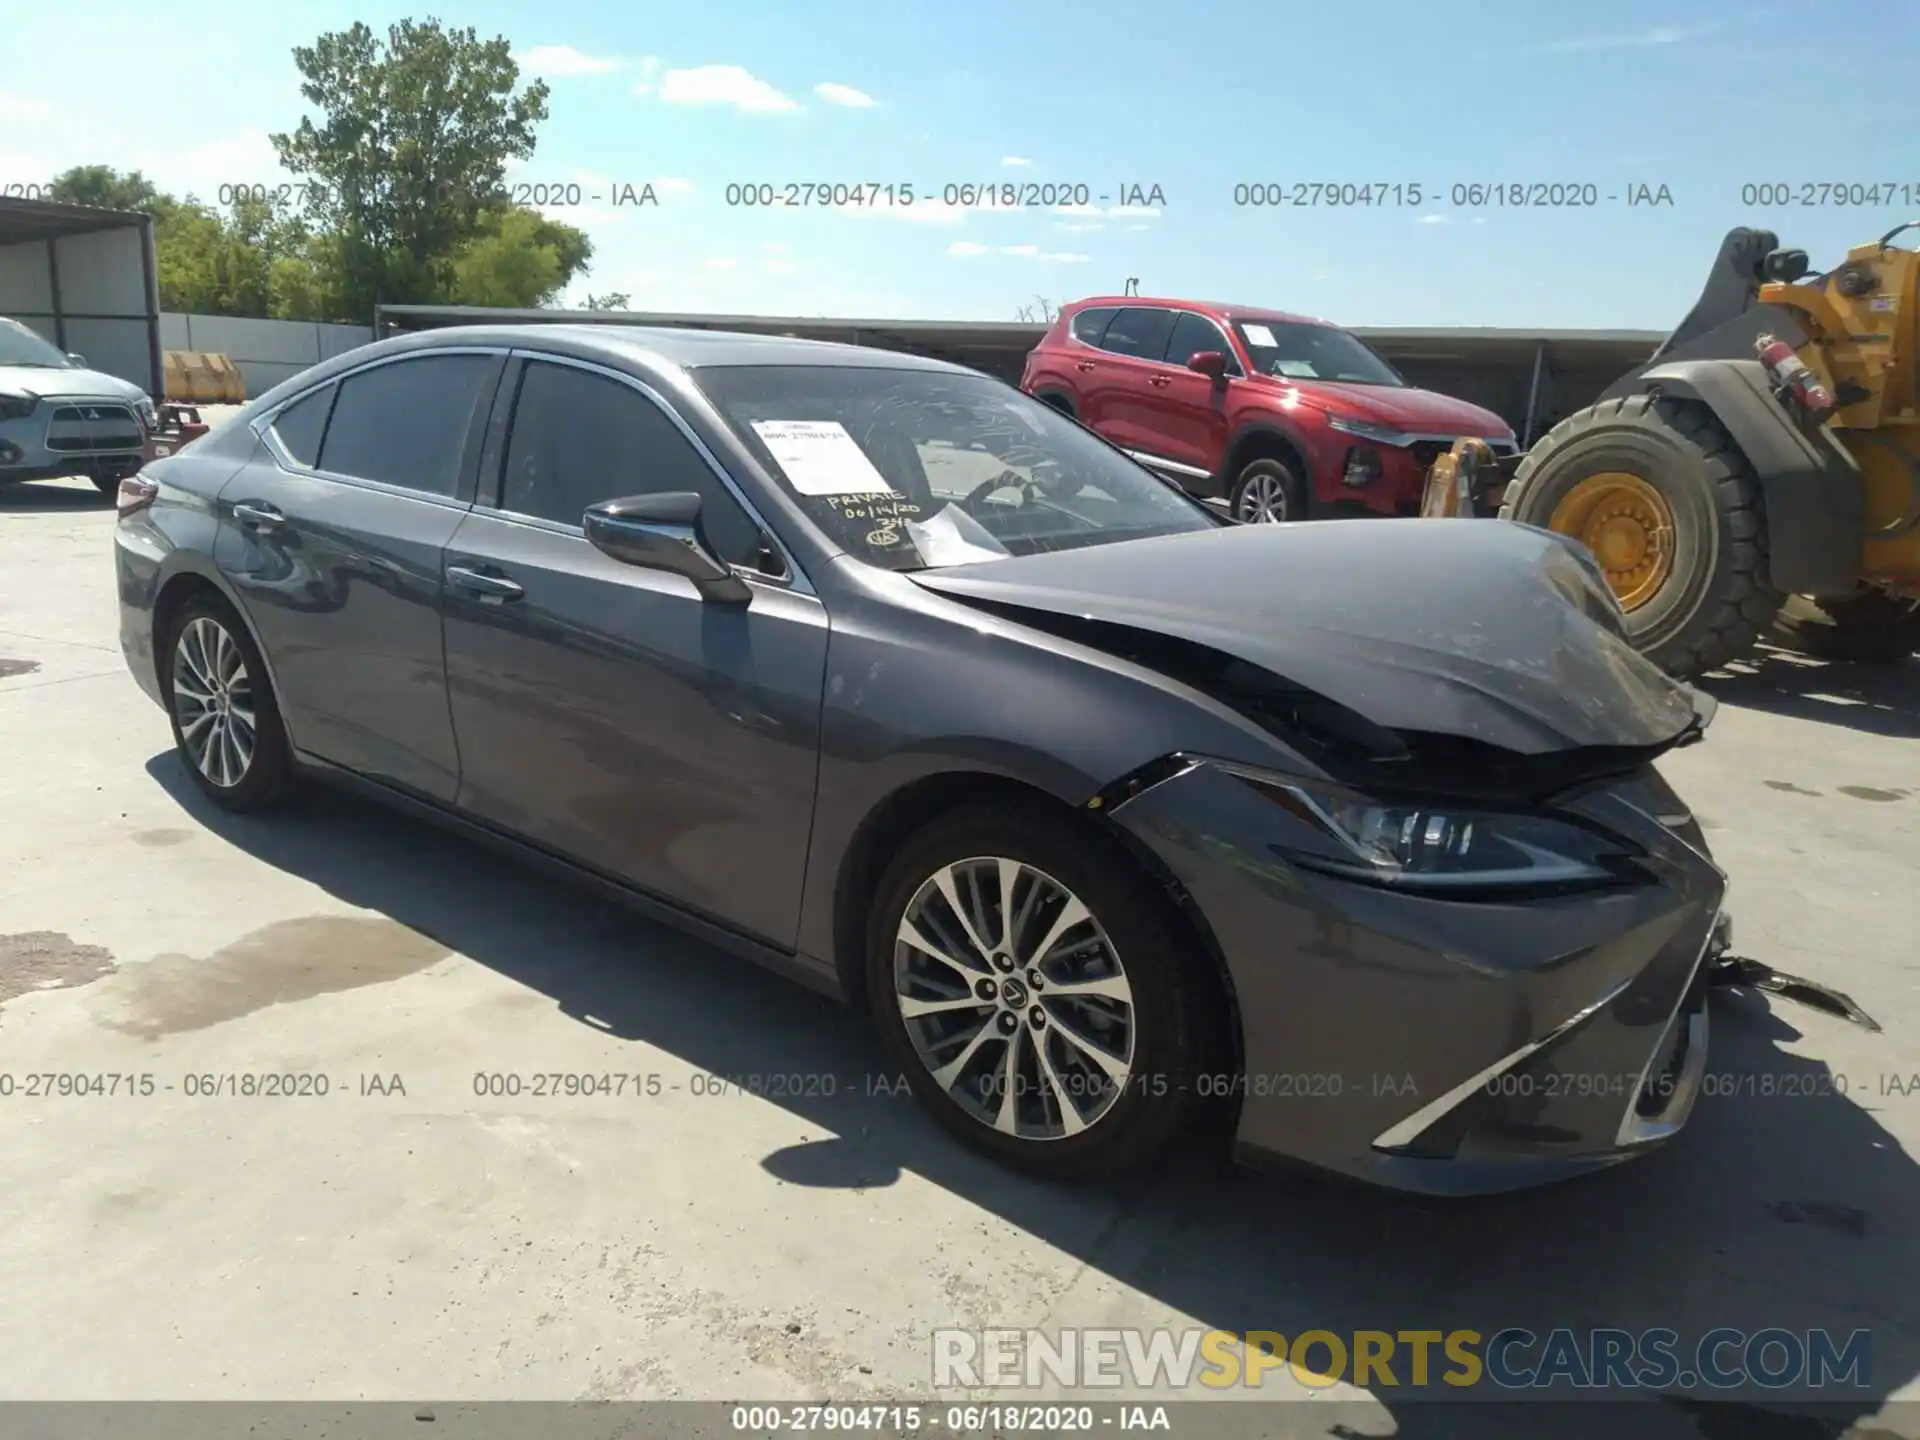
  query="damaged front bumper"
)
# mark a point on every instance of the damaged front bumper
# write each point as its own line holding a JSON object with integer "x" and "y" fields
{"x": 1451, "y": 1045}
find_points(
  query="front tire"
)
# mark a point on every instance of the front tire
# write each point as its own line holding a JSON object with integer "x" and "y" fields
{"x": 1267, "y": 491}
{"x": 1067, "y": 1040}
{"x": 1868, "y": 627}
{"x": 226, "y": 724}
{"x": 1671, "y": 508}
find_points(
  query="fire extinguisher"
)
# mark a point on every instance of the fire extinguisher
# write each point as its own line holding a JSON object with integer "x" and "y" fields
{"x": 1790, "y": 374}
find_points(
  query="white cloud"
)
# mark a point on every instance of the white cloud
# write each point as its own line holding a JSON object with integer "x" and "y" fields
{"x": 245, "y": 158}
{"x": 1115, "y": 212}
{"x": 564, "y": 60}
{"x": 724, "y": 85}
{"x": 969, "y": 250}
{"x": 775, "y": 247}
{"x": 1433, "y": 219}
{"x": 1082, "y": 228}
{"x": 23, "y": 107}
{"x": 844, "y": 95}
{"x": 778, "y": 267}
{"x": 1015, "y": 160}
{"x": 1654, "y": 35}
{"x": 721, "y": 262}
{"x": 1139, "y": 227}
{"x": 649, "y": 67}
{"x": 671, "y": 185}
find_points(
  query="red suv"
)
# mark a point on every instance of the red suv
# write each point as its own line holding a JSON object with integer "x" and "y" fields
{"x": 1283, "y": 417}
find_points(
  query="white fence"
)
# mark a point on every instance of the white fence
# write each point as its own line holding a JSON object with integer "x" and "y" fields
{"x": 265, "y": 351}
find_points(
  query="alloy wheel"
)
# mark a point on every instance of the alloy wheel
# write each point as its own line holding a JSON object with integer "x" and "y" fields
{"x": 1262, "y": 501}
{"x": 1014, "y": 998}
{"x": 213, "y": 701}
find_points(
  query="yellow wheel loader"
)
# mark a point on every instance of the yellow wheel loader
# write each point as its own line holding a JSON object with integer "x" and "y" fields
{"x": 1769, "y": 449}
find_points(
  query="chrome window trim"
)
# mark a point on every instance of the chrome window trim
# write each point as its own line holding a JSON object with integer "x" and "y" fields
{"x": 795, "y": 580}
{"x": 1155, "y": 462}
{"x": 262, "y": 427}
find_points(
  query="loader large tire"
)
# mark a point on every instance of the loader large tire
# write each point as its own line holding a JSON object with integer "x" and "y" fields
{"x": 1672, "y": 508}
{"x": 1869, "y": 627}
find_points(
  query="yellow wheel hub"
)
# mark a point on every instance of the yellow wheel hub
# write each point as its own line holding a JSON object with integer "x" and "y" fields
{"x": 1628, "y": 526}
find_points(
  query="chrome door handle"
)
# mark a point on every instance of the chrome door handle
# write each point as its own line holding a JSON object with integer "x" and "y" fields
{"x": 486, "y": 588}
{"x": 1083, "y": 364}
{"x": 258, "y": 517}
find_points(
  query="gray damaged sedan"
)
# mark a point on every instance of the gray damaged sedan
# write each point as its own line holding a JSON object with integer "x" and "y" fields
{"x": 1112, "y": 813}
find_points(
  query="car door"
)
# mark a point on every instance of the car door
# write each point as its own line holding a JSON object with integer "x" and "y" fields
{"x": 1132, "y": 350}
{"x": 1188, "y": 410}
{"x": 1075, "y": 364}
{"x": 606, "y": 712}
{"x": 331, "y": 536}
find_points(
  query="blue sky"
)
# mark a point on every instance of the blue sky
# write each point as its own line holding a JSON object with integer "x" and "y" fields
{"x": 1194, "y": 97}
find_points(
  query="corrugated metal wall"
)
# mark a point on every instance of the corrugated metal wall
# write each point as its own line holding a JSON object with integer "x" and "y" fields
{"x": 265, "y": 351}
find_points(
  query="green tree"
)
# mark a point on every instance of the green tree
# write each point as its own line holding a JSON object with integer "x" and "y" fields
{"x": 106, "y": 187}
{"x": 518, "y": 258}
{"x": 614, "y": 300}
{"x": 408, "y": 159}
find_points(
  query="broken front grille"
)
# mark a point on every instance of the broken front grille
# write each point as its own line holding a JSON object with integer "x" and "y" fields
{"x": 89, "y": 426}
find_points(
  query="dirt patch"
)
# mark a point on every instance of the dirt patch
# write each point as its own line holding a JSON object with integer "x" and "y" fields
{"x": 1789, "y": 787}
{"x": 11, "y": 668}
{"x": 278, "y": 964}
{"x": 1867, "y": 792}
{"x": 48, "y": 960}
{"x": 161, "y": 839}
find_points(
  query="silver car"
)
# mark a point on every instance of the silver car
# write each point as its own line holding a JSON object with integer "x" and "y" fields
{"x": 57, "y": 417}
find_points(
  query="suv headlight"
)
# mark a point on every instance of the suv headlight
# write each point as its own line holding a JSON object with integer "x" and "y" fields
{"x": 1436, "y": 846}
{"x": 1367, "y": 430}
{"x": 149, "y": 416}
{"x": 16, "y": 407}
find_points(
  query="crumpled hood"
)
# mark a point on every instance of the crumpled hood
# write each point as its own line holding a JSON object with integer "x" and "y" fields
{"x": 52, "y": 384}
{"x": 1482, "y": 629}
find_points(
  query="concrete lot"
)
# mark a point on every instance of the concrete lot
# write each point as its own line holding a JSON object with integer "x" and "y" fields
{"x": 436, "y": 1244}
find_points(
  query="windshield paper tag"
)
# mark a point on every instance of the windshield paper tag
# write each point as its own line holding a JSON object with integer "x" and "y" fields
{"x": 1258, "y": 335}
{"x": 821, "y": 458}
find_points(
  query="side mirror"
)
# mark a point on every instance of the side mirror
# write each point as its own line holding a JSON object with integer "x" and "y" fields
{"x": 1210, "y": 363}
{"x": 663, "y": 532}
{"x": 79, "y": 360}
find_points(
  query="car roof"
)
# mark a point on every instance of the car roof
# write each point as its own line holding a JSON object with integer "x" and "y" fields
{"x": 1220, "y": 310}
{"x": 688, "y": 349}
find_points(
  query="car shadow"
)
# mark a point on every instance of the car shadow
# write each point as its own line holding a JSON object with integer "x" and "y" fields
{"x": 1876, "y": 699}
{"x": 1785, "y": 1204}
{"x": 51, "y": 497}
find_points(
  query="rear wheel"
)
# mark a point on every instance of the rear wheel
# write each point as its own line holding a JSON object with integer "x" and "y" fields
{"x": 226, "y": 724}
{"x": 1670, "y": 508}
{"x": 1267, "y": 491}
{"x": 1040, "y": 999}
{"x": 1870, "y": 627}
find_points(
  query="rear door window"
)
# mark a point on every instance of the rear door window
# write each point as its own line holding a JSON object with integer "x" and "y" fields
{"x": 298, "y": 427}
{"x": 1089, "y": 325}
{"x": 406, "y": 423}
{"x": 1139, "y": 332}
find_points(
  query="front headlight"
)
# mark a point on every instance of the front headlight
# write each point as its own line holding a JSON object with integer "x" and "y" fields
{"x": 1433, "y": 846}
{"x": 149, "y": 416}
{"x": 1367, "y": 430}
{"x": 16, "y": 407}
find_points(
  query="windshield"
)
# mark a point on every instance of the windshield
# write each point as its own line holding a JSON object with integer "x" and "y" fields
{"x": 917, "y": 469}
{"x": 20, "y": 346}
{"x": 1312, "y": 352}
